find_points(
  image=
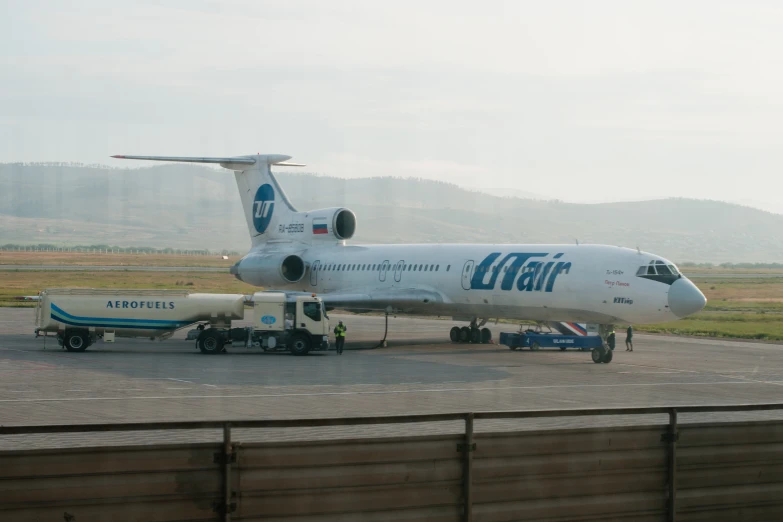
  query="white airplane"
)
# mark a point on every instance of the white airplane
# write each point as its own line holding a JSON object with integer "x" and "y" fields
{"x": 308, "y": 252}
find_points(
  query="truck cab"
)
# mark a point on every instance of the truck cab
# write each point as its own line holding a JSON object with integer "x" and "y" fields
{"x": 298, "y": 322}
{"x": 281, "y": 321}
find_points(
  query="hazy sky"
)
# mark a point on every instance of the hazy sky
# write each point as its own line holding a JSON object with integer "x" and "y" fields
{"x": 581, "y": 101}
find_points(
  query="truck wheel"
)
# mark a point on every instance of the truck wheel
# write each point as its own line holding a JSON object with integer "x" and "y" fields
{"x": 76, "y": 342}
{"x": 300, "y": 345}
{"x": 210, "y": 341}
{"x": 535, "y": 347}
{"x": 486, "y": 335}
{"x": 598, "y": 355}
{"x": 608, "y": 357}
{"x": 563, "y": 348}
{"x": 454, "y": 334}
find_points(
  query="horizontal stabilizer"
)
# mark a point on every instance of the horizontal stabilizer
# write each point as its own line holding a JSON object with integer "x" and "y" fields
{"x": 241, "y": 160}
{"x": 271, "y": 159}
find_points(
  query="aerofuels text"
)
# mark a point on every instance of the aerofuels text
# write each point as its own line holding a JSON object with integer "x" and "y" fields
{"x": 161, "y": 305}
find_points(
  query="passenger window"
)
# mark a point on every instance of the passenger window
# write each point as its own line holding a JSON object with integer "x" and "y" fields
{"x": 448, "y": 268}
{"x": 437, "y": 267}
{"x": 312, "y": 310}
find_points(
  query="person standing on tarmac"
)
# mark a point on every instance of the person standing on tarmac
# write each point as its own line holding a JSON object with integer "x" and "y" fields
{"x": 629, "y": 339}
{"x": 610, "y": 340}
{"x": 339, "y": 335}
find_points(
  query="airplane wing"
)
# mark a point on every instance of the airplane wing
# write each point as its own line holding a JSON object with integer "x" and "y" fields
{"x": 400, "y": 299}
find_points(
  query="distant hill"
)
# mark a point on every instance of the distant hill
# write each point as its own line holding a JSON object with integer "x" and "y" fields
{"x": 190, "y": 206}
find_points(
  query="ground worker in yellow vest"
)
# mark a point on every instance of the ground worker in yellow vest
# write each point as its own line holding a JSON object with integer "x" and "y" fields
{"x": 339, "y": 334}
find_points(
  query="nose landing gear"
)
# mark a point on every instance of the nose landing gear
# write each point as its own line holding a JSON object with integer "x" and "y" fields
{"x": 605, "y": 353}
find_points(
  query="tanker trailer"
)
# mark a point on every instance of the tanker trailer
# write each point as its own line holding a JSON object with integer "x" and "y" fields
{"x": 78, "y": 317}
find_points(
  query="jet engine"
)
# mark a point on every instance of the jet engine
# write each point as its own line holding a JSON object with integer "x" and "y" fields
{"x": 344, "y": 224}
{"x": 330, "y": 223}
{"x": 272, "y": 270}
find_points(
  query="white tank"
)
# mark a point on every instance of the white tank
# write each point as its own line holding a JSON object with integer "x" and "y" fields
{"x": 133, "y": 313}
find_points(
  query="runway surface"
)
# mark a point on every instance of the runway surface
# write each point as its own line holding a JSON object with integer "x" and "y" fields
{"x": 419, "y": 372}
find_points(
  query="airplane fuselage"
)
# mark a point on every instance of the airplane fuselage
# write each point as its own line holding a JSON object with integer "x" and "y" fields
{"x": 586, "y": 283}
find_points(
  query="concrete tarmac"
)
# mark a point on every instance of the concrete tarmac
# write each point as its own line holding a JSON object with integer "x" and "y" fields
{"x": 419, "y": 372}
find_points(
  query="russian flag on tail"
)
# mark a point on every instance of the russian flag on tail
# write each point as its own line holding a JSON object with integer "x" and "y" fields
{"x": 319, "y": 226}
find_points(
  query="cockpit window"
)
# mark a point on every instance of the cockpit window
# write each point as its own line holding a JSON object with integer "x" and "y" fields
{"x": 659, "y": 271}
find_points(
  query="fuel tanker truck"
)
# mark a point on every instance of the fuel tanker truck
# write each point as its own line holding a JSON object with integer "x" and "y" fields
{"x": 79, "y": 317}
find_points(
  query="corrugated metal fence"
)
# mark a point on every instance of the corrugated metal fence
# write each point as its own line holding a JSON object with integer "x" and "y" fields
{"x": 708, "y": 471}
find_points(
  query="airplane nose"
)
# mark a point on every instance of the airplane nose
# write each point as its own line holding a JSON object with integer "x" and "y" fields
{"x": 685, "y": 298}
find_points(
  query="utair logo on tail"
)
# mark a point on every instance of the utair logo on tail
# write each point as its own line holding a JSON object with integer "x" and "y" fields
{"x": 263, "y": 206}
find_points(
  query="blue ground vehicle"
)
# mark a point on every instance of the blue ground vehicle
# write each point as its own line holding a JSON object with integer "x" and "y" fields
{"x": 536, "y": 340}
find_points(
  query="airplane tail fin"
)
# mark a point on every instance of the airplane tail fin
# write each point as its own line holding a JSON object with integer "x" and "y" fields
{"x": 263, "y": 199}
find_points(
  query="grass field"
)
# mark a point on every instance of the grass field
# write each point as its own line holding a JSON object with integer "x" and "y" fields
{"x": 94, "y": 259}
{"x": 19, "y": 283}
{"x": 743, "y": 308}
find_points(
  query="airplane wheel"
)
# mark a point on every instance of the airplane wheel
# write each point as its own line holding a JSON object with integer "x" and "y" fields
{"x": 535, "y": 347}
{"x": 486, "y": 335}
{"x": 464, "y": 334}
{"x": 475, "y": 335}
{"x": 608, "y": 357}
{"x": 598, "y": 355}
{"x": 454, "y": 334}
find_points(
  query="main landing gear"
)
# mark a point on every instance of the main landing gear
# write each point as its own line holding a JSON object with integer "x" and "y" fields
{"x": 471, "y": 334}
{"x": 603, "y": 354}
